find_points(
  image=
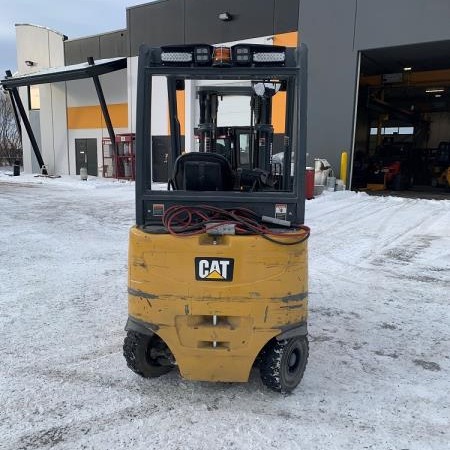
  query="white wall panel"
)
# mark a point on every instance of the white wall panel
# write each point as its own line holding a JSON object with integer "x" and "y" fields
{"x": 83, "y": 93}
{"x": 132, "y": 64}
{"x": 54, "y": 127}
{"x": 38, "y": 44}
{"x": 56, "y": 50}
{"x": 47, "y": 144}
{"x": 44, "y": 48}
{"x": 59, "y": 117}
{"x": 160, "y": 107}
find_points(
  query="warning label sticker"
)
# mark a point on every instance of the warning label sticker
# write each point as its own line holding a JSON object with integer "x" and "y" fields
{"x": 158, "y": 209}
{"x": 281, "y": 211}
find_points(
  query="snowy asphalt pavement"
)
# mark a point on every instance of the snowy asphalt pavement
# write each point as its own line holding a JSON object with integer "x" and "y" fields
{"x": 378, "y": 373}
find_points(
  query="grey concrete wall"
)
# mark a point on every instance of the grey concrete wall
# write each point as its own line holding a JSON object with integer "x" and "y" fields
{"x": 107, "y": 45}
{"x": 158, "y": 23}
{"x": 187, "y": 21}
{"x": 387, "y": 23}
{"x": 326, "y": 27}
{"x": 202, "y": 23}
{"x": 78, "y": 50}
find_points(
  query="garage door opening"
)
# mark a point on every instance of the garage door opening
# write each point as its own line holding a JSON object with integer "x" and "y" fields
{"x": 402, "y": 133}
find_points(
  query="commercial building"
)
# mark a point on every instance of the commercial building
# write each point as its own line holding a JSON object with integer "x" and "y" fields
{"x": 378, "y": 79}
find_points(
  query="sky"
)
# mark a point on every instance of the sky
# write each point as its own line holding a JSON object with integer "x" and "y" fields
{"x": 73, "y": 18}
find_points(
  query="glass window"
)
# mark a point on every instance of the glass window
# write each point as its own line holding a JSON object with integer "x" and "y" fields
{"x": 244, "y": 149}
{"x": 34, "y": 97}
{"x": 392, "y": 130}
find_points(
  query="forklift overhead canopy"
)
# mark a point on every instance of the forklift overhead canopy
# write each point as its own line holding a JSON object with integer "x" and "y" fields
{"x": 66, "y": 73}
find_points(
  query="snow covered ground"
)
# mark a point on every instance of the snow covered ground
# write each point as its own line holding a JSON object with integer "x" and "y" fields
{"x": 378, "y": 375}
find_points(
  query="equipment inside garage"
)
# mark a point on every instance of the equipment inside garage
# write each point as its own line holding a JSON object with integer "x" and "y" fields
{"x": 402, "y": 139}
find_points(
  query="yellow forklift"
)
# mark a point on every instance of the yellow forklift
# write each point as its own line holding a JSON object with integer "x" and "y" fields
{"x": 218, "y": 262}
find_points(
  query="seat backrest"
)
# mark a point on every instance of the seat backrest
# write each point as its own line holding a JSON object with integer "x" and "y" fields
{"x": 197, "y": 171}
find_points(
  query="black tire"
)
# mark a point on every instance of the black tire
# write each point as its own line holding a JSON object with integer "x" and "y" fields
{"x": 283, "y": 363}
{"x": 138, "y": 351}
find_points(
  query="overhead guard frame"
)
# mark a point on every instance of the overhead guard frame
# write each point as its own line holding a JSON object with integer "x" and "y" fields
{"x": 294, "y": 71}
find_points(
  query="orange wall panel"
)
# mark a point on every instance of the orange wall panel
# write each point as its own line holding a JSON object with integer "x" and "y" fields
{"x": 279, "y": 101}
{"x": 82, "y": 117}
{"x": 286, "y": 39}
{"x": 278, "y": 112}
{"x": 181, "y": 111}
{"x": 181, "y": 108}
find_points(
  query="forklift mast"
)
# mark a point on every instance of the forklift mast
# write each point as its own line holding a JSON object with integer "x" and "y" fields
{"x": 260, "y": 130}
{"x": 255, "y": 71}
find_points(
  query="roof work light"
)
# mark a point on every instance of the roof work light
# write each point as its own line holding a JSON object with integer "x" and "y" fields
{"x": 176, "y": 56}
{"x": 202, "y": 54}
{"x": 258, "y": 54}
{"x": 222, "y": 56}
{"x": 241, "y": 54}
{"x": 237, "y": 55}
{"x": 269, "y": 54}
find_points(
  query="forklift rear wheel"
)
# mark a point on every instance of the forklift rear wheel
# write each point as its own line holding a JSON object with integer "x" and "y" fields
{"x": 283, "y": 363}
{"x": 148, "y": 356}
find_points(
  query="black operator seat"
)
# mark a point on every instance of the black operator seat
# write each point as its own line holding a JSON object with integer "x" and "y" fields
{"x": 198, "y": 171}
{"x": 224, "y": 151}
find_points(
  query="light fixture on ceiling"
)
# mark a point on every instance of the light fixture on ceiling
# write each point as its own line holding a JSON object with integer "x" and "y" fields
{"x": 438, "y": 95}
{"x": 29, "y": 63}
{"x": 407, "y": 69}
{"x": 225, "y": 16}
{"x": 434, "y": 90}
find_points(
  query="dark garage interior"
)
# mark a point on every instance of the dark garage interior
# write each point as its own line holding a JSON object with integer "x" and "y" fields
{"x": 402, "y": 135}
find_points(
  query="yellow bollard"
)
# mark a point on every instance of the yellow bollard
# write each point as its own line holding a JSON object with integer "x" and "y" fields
{"x": 343, "y": 174}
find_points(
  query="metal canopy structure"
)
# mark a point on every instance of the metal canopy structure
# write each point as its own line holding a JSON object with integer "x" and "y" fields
{"x": 90, "y": 69}
{"x": 65, "y": 73}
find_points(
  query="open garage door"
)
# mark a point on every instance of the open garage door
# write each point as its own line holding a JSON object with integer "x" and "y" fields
{"x": 402, "y": 135}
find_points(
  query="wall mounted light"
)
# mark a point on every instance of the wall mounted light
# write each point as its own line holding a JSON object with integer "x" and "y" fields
{"x": 29, "y": 63}
{"x": 225, "y": 16}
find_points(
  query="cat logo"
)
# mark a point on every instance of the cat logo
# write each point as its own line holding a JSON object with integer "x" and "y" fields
{"x": 214, "y": 269}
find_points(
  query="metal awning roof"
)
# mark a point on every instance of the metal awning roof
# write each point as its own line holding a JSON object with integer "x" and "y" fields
{"x": 66, "y": 73}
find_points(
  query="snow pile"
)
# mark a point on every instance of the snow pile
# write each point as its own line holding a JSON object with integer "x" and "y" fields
{"x": 63, "y": 181}
{"x": 378, "y": 374}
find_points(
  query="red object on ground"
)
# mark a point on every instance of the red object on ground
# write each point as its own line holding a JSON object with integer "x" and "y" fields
{"x": 392, "y": 170}
{"x": 309, "y": 183}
